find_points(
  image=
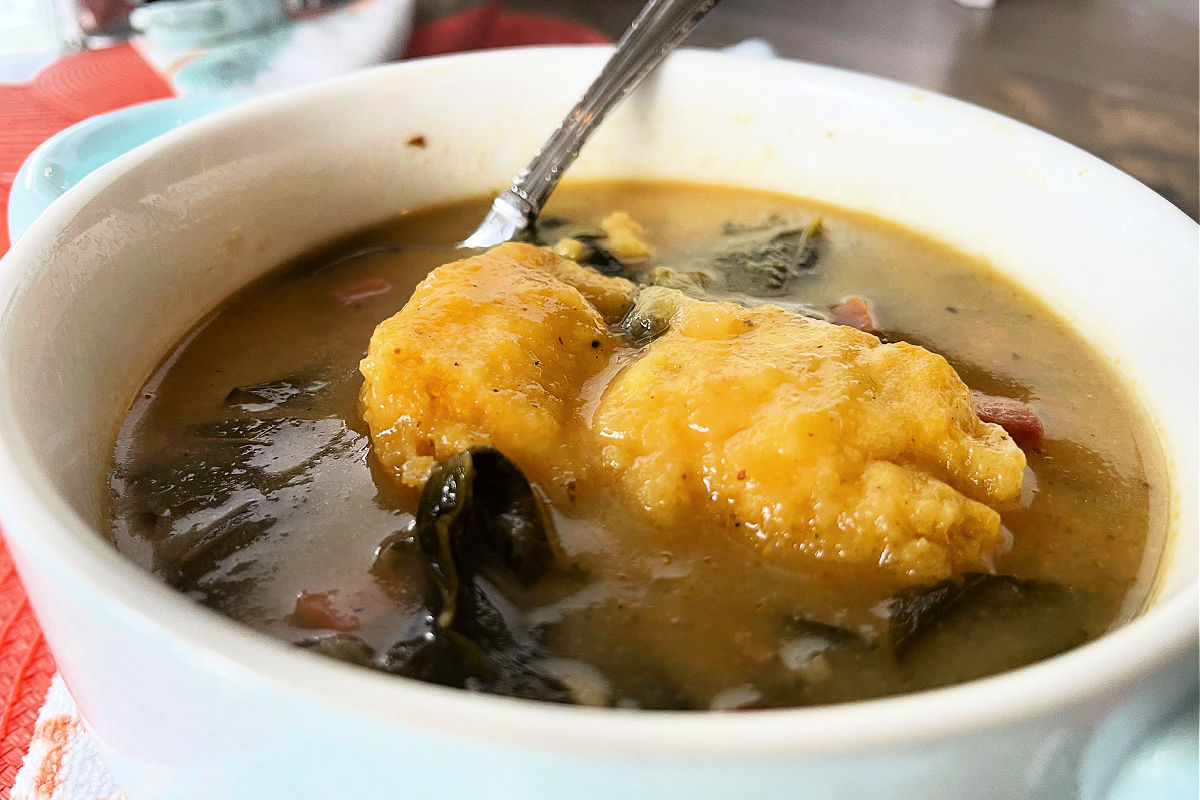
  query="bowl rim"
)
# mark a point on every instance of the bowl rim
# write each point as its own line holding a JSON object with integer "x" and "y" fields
{"x": 61, "y": 542}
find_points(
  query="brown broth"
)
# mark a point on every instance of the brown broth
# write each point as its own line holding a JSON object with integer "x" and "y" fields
{"x": 245, "y": 507}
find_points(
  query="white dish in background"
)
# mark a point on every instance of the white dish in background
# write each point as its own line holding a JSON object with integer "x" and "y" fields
{"x": 188, "y": 704}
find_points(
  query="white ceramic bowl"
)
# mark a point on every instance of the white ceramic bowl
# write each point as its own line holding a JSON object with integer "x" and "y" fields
{"x": 189, "y": 705}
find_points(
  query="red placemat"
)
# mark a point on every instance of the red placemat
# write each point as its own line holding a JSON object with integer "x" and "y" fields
{"x": 71, "y": 90}
{"x": 90, "y": 83}
{"x": 25, "y": 669}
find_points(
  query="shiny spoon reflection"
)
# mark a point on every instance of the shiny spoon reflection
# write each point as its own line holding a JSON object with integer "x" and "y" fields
{"x": 657, "y": 29}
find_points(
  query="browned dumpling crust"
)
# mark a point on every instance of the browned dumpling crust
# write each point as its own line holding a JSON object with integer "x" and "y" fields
{"x": 814, "y": 443}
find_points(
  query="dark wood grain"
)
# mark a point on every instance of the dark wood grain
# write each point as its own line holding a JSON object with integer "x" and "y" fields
{"x": 1119, "y": 78}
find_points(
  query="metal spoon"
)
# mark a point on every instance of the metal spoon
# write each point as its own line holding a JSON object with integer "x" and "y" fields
{"x": 657, "y": 29}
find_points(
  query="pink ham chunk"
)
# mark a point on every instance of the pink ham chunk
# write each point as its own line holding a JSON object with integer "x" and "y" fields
{"x": 1018, "y": 419}
{"x": 323, "y": 610}
{"x": 855, "y": 312}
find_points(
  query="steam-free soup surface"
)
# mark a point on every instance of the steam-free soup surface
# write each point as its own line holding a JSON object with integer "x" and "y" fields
{"x": 244, "y": 477}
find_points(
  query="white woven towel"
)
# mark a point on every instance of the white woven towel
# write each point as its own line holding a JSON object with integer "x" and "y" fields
{"x": 63, "y": 762}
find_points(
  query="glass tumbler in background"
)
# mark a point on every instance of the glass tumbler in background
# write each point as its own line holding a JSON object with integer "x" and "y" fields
{"x": 33, "y": 33}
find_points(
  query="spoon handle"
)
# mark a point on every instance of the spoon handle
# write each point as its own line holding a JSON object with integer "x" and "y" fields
{"x": 657, "y": 29}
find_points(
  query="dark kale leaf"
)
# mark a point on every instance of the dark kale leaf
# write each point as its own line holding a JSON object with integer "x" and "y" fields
{"x": 444, "y": 657}
{"x": 598, "y": 257}
{"x": 342, "y": 646}
{"x": 833, "y": 636}
{"x": 476, "y": 512}
{"x": 513, "y": 518}
{"x": 447, "y": 529}
{"x": 401, "y": 569}
{"x": 650, "y": 315}
{"x": 484, "y": 650}
{"x": 913, "y": 610}
{"x": 763, "y": 261}
{"x": 269, "y": 395}
{"x": 214, "y": 492}
{"x": 639, "y": 328}
{"x": 1029, "y": 619}
{"x": 809, "y": 651}
{"x": 187, "y": 557}
{"x": 548, "y": 231}
{"x": 475, "y": 502}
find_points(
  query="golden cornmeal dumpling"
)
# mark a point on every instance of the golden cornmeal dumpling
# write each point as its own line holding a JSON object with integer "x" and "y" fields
{"x": 815, "y": 443}
{"x": 812, "y": 440}
{"x": 491, "y": 350}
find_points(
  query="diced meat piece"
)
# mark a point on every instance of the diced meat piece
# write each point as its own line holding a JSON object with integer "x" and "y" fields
{"x": 855, "y": 312}
{"x": 355, "y": 292}
{"x": 322, "y": 610}
{"x": 1018, "y": 419}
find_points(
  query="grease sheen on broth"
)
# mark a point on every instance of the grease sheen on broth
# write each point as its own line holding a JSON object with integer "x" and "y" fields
{"x": 244, "y": 503}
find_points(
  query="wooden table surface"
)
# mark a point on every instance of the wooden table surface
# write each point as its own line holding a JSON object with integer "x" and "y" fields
{"x": 1119, "y": 78}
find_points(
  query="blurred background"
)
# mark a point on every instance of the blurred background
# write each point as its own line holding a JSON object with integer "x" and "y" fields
{"x": 1119, "y": 78}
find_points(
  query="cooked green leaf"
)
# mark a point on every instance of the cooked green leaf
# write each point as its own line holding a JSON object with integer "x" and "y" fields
{"x": 477, "y": 511}
{"x": 445, "y": 527}
{"x": 1044, "y": 616}
{"x": 764, "y": 261}
{"x": 513, "y": 518}
{"x": 343, "y": 647}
